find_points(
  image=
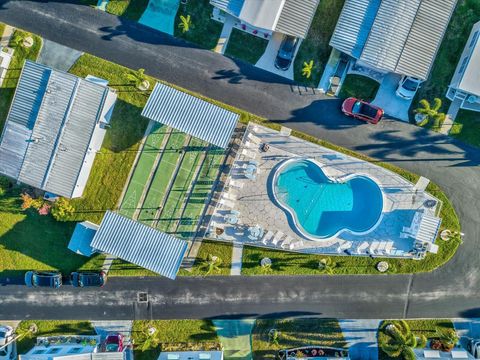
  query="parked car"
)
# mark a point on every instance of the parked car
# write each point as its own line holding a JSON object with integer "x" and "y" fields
{"x": 473, "y": 347}
{"x": 286, "y": 52}
{"x": 113, "y": 343}
{"x": 87, "y": 279}
{"x": 407, "y": 87}
{"x": 51, "y": 279}
{"x": 362, "y": 110}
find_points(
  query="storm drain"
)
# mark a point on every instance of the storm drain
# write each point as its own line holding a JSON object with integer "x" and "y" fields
{"x": 142, "y": 297}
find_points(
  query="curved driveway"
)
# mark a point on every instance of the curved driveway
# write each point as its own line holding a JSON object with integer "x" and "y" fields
{"x": 448, "y": 292}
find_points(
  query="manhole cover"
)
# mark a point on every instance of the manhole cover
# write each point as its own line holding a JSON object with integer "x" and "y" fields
{"x": 142, "y": 297}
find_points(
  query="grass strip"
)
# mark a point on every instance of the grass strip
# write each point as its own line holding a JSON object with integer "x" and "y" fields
{"x": 246, "y": 47}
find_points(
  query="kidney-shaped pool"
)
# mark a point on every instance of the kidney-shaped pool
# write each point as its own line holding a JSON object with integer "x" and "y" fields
{"x": 322, "y": 207}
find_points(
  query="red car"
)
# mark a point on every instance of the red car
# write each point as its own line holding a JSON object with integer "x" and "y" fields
{"x": 113, "y": 343}
{"x": 362, "y": 110}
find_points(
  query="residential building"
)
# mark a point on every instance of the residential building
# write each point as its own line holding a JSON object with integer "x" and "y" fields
{"x": 392, "y": 36}
{"x": 191, "y": 355}
{"x": 264, "y": 17}
{"x": 55, "y": 126}
{"x": 465, "y": 84}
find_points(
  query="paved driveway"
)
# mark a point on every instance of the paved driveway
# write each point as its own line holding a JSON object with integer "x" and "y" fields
{"x": 267, "y": 61}
{"x": 386, "y": 98}
{"x": 451, "y": 291}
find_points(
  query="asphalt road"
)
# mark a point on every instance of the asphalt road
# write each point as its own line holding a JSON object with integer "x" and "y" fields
{"x": 451, "y": 291}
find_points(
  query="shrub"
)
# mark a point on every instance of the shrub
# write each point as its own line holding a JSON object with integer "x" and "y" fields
{"x": 62, "y": 210}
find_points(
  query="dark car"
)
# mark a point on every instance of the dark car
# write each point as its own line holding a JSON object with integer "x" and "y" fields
{"x": 51, "y": 279}
{"x": 113, "y": 343}
{"x": 86, "y": 279}
{"x": 362, "y": 110}
{"x": 286, "y": 52}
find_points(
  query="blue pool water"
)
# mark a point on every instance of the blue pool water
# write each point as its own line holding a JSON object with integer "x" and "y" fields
{"x": 322, "y": 207}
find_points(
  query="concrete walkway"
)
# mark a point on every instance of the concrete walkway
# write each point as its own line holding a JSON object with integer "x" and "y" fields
{"x": 267, "y": 61}
{"x": 361, "y": 337}
{"x": 58, "y": 56}
{"x": 225, "y": 35}
{"x": 237, "y": 253}
{"x": 7, "y": 35}
{"x": 386, "y": 98}
{"x": 235, "y": 338}
{"x": 107, "y": 263}
{"x": 451, "y": 115}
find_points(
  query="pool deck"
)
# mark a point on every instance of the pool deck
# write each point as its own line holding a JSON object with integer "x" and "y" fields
{"x": 253, "y": 199}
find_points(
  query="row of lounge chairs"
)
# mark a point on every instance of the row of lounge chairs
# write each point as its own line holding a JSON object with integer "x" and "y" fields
{"x": 279, "y": 239}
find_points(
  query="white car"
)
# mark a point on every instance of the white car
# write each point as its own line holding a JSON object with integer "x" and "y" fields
{"x": 407, "y": 87}
{"x": 8, "y": 352}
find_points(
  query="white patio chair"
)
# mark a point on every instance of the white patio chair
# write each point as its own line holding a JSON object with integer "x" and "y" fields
{"x": 229, "y": 196}
{"x": 373, "y": 247}
{"x": 236, "y": 184}
{"x": 277, "y": 237}
{"x": 288, "y": 240}
{"x": 362, "y": 248}
{"x": 433, "y": 248}
{"x": 389, "y": 247}
{"x": 296, "y": 244}
{"x": 227, "y": 203}
{"x": 267, "y": 237}
{"x": 249, "y": 154}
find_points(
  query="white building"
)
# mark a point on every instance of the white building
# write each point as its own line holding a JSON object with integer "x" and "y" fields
{"x": 465, "y": 84}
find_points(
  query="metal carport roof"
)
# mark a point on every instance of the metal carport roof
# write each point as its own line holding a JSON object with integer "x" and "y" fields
{"x": 191, "y": 115}
{"x": 140, "y": 244}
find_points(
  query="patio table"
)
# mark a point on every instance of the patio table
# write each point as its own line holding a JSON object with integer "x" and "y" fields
{"x": 255, "y": 232}
{"x": 231, "y": 219}
{"x": 250, "y": 171}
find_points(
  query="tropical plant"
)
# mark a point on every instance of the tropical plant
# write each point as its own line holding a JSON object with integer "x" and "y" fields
{"x": 274, "y": 336}
{"x": 22, "y": 39}
{"x": 45, "y": 209}
{"x": 212, "y": 264}
{"x": 185, "y": 23}
{"x": 448, "y": 338}
{"x": 4, "y": 185}
{"x": 139, "y": 79}
{"x": 266, "y": 268}
{"x": 149, "y": 339}
{"x": 399, "y": 340}
{"x": 62, "y": 210}
{"x": 307, "y": 69}
{"x": 431, "y": 113}
{"x": 327, "y": 266}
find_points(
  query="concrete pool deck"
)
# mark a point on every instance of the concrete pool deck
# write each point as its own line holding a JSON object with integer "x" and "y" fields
{"x": 253, "y": 200}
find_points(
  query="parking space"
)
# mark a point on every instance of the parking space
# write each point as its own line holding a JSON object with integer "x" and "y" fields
{"x": 267, "y": 61}
{"x": 387, "y": 99}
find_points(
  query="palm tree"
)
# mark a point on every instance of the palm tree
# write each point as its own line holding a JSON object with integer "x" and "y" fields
{"x": 399, "y": 341}
{"x": 139, "y": 79}
{"x": 448, "y": 338}
{"x": 326, "y": 266}
{"x": 22, "y": 39}
{"x": 185, "y": 23}
{"x": 149, "y": 339}
{"x": 212, "y": 264}
{"x": 273, "y": 336}
{"x": 431, "y": 113}
{"x": 266, "y": 268}
{"x": 307, "y": 69}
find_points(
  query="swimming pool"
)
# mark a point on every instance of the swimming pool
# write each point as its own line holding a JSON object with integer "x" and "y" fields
{"x": 322, "y": 207}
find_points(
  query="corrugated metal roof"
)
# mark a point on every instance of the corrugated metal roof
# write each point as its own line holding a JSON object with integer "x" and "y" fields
{"x": 403, "y": 38}
{"x": 140, "y": 244}
{"x": 191, "y": 115}
{"x": 353, "y": 26}
{"x": 296, "y": 17}
{"x": 425, "y": 37}
{"x": 49, "y": 128}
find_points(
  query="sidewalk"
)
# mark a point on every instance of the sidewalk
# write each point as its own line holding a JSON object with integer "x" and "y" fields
{"x": 237, "y": 254}
{"x": 225, "y": 34}
{"x": 361, "y": 337}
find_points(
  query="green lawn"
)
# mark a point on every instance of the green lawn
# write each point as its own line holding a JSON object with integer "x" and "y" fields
{"x": 360, "y": 87}
{"x": 427, "y": 327}
{"x": 50, "y": 328}
{"x": 131, "y": 9}
{"x": 172, "y": 335}
{"x": 204, "y": 31}
{"x": 7, "y": 89}
{"x": 315, "y": 46}
{"x": 245, "y": 46}
{"x": 2, "y": 28}
{"x": 467, "y": 127}
{"x": 113, "y": 162}
{"x": 294, "y": 333}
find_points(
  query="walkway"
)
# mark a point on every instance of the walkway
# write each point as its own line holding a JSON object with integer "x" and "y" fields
{"x": 361, "y": 337}
{"x": 225, "y": 34}
{"x": 235, "y": 337}
{"x": 451, "y": 116}
{"x": 7, "y": 35}
{"x": 237, "y": 253}
{"x": 57, "y": 56}
{"x": 160, "y": 15}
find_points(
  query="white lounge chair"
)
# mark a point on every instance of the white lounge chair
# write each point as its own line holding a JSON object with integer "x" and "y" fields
{"x": 433, "y": 248}
{"x": 373, "y": 247}
{"x": 389, "y": 247}
{"x": 296, "y": 244}
{"x": 381, "y": 248}
{"x": 227, "y": 203}
{"x": 288, "y": 240}
{"x": 236, "y": 184}
{"x": 249, "y": 154}
{"x": 277, "y": 237}
{"x": 267, "y": 237}
{"x": 362, "y": 248}
{"x": 229, "y": 196}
